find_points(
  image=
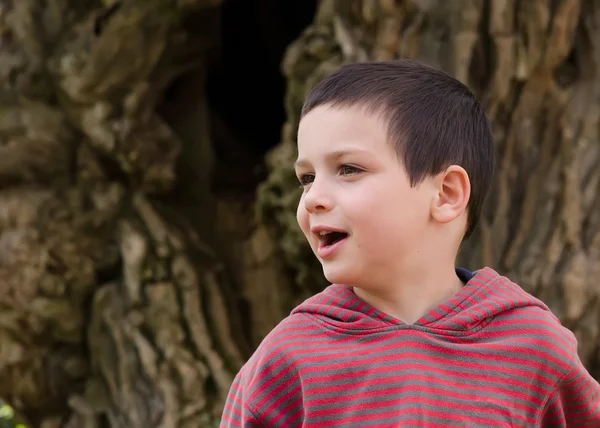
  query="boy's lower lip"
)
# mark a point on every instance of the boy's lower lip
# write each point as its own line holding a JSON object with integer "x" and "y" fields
{"x": 324, "y": 251}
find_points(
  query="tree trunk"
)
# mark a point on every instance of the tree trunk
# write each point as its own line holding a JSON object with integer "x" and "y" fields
{"x": 136, "y": 278}
{"x": 114, "y": 290}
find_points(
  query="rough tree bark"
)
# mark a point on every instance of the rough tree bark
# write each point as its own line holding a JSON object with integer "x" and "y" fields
{"x": 113, "y": 288}
{"x": 131, "y": 291}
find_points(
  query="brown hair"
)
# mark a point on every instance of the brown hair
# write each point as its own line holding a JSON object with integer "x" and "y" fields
{"x": 434, "y": 121}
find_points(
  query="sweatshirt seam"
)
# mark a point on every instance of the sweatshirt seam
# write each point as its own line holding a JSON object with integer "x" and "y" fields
{"x": 249, "y": 405}
{"x": 464, "y": 304}
{"x": 254, "y": 415}
{"x": 555, "y": 387}
{"x": 426, "y": 329}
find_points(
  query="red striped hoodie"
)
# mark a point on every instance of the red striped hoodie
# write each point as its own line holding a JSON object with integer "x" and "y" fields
{"x": 492, "y": 356}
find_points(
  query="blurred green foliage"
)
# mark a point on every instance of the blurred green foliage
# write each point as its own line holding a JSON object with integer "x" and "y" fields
{"x": 7, "y": 416}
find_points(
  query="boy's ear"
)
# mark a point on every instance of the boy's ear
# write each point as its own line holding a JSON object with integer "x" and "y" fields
{"x": 453, "y": 189}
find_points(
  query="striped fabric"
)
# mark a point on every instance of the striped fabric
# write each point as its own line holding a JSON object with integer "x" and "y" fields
{"x": 492, "y": 356}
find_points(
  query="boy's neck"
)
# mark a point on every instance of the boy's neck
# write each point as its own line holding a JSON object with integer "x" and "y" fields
{"x": 413, "y": 297}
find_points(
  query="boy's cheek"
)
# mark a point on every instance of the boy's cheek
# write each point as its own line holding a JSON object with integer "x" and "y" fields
{"x": 301, "y": 214}
{"x": 302, "y": 219}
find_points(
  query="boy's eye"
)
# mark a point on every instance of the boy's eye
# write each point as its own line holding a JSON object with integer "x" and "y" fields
{"x": 306, "y": 179}
{"x": 349, "y": 170}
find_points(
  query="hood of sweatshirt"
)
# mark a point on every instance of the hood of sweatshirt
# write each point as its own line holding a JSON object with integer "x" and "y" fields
{"x": 485, "y": 296}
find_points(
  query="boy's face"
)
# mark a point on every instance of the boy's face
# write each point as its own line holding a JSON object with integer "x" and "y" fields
{"x": 355, "y": 184}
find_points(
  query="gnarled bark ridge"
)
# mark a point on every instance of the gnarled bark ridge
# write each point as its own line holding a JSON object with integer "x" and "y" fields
{"x": 112, "y": 305}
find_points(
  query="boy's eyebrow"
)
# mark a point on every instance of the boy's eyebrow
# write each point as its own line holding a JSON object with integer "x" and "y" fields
{"x": 331, "y": 156}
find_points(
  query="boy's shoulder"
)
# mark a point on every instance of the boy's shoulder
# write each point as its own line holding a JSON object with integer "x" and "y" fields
{"x": 541, "y": 330}
{"x": 276, "y": 351}
{"x": 308, "y": 326}
{"x": 533, "y": 324}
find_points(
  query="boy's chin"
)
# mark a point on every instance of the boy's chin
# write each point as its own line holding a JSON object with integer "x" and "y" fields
{"x": 337, "y": 274}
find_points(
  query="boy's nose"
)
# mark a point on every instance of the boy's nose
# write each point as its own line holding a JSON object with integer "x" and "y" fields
{"x": 317, "y": 198}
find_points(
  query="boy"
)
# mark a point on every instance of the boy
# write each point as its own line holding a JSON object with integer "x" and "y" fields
{"x": 395, "y": 159}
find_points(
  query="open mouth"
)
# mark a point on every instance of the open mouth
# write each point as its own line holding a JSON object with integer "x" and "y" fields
{"x": 330, "y": 238}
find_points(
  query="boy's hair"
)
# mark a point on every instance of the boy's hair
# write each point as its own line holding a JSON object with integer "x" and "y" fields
{"x": 434, "y": 121}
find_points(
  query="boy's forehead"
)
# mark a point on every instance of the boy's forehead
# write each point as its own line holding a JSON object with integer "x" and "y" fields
{"x": 340, "y": 131}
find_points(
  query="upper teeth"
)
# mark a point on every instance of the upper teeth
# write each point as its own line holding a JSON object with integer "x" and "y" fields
{"x": 324, "y": 232}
